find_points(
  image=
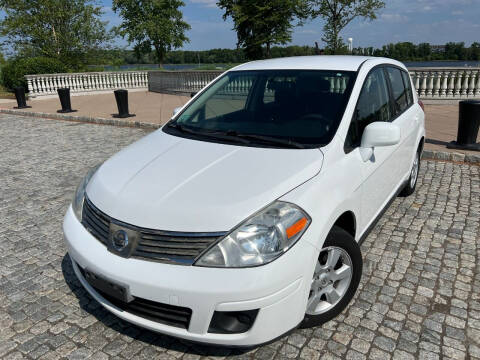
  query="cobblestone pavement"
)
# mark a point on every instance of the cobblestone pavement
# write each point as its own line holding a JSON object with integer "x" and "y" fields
{"x": 419, "y": 296}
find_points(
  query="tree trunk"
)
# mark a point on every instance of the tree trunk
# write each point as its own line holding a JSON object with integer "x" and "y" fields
{"x": 268, "y": 50}
{"x": 55, "y": 38}
{"x": 160, "y": 54}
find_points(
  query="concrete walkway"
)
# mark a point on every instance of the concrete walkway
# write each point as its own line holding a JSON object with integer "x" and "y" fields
{"x": 442, "y": 126}
{"x": 154, "y": 108}
{"x": 147, "y": 106}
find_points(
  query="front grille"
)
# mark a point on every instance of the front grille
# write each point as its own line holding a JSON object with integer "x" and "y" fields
{"x": 153, "y": 245}
{"x": 171, "y": 315}
{"x": 95, "y": 221}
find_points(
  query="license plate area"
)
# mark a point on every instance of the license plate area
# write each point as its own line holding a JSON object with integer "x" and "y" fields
{"x": 112, "y": 289}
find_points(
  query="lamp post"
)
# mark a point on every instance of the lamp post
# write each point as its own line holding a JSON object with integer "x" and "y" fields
{"x": 350, "y": 45}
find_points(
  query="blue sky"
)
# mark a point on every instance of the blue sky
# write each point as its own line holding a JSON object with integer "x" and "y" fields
{"x": 434, "y": 21}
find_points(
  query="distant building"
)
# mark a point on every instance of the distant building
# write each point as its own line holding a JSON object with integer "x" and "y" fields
{"x": 438, "y": 48}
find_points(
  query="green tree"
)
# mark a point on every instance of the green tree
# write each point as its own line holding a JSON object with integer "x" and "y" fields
{"x": 455, "y": 51}
{"x": 152, "y": 23}
{"x": 13, "y": 73}
{"x": 424, "y": 51}
{"x": 262, "y": 23}
{"x": 475, "y": 51}
{"x": 337, "y": 14}
{"x": 67, "y": 30}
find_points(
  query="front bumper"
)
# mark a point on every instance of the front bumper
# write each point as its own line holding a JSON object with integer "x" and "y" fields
{"x": 279, "y": 289}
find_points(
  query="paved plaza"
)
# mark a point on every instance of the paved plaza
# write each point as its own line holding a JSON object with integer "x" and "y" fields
{"x": 419, "y": 296}
{"x": 149, "y": 107}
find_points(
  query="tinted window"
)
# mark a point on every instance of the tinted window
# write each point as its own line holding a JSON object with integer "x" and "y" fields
{"x": 373, "y": 105}
{"x": 398, "y": 89}
{"x": 408, "y": 85}
{"x": 300, "y": 106}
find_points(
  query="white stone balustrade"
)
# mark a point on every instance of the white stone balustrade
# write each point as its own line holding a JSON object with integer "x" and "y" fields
{"x": 40, "y": 85}
{"x": 446, "y": 83}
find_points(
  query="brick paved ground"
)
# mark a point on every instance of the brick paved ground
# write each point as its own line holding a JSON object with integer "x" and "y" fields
{"x": 419, "y": 296}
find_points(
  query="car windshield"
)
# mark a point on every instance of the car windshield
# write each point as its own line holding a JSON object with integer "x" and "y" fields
{"x": 268, "y": 108}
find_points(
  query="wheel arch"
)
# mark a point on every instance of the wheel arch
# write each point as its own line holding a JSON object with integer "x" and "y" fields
{"x": 421, "y": 145}
{"x": 348, "y": 222}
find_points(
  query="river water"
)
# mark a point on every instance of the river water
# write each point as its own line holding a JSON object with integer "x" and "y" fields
{"x": 461, "y": 64}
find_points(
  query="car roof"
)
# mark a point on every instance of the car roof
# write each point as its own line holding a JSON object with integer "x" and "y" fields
{"x": 317, "y": 62}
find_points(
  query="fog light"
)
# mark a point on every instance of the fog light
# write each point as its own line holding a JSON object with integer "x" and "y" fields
{"x": 232, "y": 322}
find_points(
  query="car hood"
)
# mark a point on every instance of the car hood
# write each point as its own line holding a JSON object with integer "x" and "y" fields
{"x": 170, "y": 183}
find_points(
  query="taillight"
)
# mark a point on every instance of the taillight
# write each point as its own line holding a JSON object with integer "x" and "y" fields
{"x": 420, "y": 102}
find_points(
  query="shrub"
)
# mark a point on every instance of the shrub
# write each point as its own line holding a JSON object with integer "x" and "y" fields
{"x": 14, "y": 71}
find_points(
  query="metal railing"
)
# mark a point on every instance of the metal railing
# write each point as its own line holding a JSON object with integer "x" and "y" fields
{"x": 180, "y": 82}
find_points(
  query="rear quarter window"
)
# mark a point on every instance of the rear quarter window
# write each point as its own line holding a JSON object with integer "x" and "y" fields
{"x": 408, "y": 85}
{"x": 398, "y": 89}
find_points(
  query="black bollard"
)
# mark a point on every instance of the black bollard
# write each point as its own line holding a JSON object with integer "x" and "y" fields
{"x": 21, "y": 101}
{"x": 468, "y": 126}
{"x": 64, "y": 95}
{"x": 122, "y": 103}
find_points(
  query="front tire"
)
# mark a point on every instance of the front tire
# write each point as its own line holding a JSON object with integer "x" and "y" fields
{"x": 335, "y": 280}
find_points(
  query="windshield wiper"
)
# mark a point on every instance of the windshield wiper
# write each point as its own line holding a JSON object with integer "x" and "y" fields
{"x": 181, "y": 128}
{"x": 219, "y": 135}
{"x": 230, "y": 135}
{"x": 272, "y": 140}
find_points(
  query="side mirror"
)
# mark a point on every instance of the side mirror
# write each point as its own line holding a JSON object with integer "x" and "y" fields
{"x": 378, "y": 134}
{"x": 177, "y": 110}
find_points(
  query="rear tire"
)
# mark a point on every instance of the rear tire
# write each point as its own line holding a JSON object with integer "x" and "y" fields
{"x": 409, "y": 188}
{"x": 337, "y": 274}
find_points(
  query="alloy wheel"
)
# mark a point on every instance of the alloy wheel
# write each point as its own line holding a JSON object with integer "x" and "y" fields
{"x": 414, "y": 174}
{"x": 331, "y": 280}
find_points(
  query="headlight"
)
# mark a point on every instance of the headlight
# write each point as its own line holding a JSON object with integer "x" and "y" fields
{"x": 77, "y": 203}
{"x": 260, "y": 239}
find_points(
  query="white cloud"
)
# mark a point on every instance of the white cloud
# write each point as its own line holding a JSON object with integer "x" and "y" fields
{"x": 397, "y": 18}
{"x": 207, "y": 3}
{"x": 307, "y": 31}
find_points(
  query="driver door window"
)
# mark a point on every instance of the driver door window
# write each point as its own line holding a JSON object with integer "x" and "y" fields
{"x": 373, "y": 105}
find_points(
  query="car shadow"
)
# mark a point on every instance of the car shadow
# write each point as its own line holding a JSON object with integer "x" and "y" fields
{"x": 91, "y": 306}
{"x": 436, "y": 142}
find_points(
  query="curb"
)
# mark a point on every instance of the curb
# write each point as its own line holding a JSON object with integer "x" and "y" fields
{"x": 84, "y": 119}
{"x": 427, "y": 154}
{"x": 451, "y": 156}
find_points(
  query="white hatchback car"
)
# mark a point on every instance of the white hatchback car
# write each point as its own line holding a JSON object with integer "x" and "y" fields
{"x": 241, "y": 218}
